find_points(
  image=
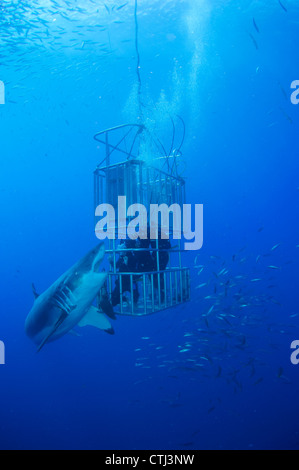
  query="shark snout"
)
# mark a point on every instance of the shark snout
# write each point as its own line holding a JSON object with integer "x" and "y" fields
{"x": 99, "y": 253}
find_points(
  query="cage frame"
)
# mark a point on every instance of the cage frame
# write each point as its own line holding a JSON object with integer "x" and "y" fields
{"x": 175, "y": 279}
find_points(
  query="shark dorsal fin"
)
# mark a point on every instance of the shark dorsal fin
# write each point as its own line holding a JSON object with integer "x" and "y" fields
{"x": 36, "y": 295}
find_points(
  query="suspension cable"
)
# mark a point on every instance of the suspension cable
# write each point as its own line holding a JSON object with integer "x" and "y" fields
{"x": 138, "y": 62}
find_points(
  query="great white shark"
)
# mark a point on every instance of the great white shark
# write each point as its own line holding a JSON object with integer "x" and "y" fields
{"x": 68, "y": 302}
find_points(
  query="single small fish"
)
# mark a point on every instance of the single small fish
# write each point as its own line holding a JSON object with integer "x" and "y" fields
{"x": 122, "y": 6}
{"x": 201, "y": 285}
{"x": 282, "y": 6}
{"x": 226, "y": 320}
{"x": 272, "y": 124}
{"x": 210, "y": 310}
{"x": 258, "y": 381}
{"x": 288, "y": 118}
{"x": 209, "y": 359}
{"x": 283, "y": 91}
{"x": 255, "y": 25}
{"x": 275, "y": 302}
{"x": 254, "y": 41}
{"x": 273, "y": 267}
{"x": 275, "y": 246}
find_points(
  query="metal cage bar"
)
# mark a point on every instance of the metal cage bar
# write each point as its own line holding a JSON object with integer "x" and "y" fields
{"x": 173, "y": 295}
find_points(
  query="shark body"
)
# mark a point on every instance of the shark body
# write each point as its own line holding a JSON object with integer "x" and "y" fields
{"x": 68, "y": 302}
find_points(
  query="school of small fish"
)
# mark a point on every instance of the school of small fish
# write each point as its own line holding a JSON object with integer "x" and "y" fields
{"x": 32, "y": 31}
{"x": 228, "y": 328}
{"x": 254, "y": 38}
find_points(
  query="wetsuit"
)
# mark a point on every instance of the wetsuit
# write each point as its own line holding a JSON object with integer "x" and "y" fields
{"x": 125, "y": 264}
{"x": 163, "y": 257}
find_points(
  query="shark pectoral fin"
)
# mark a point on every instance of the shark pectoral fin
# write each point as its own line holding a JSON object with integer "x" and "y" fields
{"x": 55, "y": 327}
{"x": 94, "y": 318}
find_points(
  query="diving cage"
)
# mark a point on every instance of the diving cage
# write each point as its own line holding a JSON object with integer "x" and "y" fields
{"x": 123, "y": 172}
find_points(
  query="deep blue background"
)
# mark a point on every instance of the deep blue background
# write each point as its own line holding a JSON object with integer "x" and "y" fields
{"x": 241, "y": 153}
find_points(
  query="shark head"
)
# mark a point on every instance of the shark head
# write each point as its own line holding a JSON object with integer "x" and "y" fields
{"x": 93, "y": 259}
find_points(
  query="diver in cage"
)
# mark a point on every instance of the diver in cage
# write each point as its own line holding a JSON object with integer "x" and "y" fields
{"x": 126, "y": 264}
{"x": 105, "y": 303}
{"x": 160, "y": 260}
{"x": 144, "y": 259}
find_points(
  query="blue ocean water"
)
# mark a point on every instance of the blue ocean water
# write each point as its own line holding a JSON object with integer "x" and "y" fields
{"x": 191, "y": 377}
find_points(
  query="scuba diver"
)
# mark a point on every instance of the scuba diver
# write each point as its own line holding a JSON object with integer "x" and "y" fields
{"x": 144, "y": 259}
{"x": 105, "y": 303}
{"x": 156, "y": 260}
{"x": 160, "y": 261}
{"x": 140, "y": 260}
{"x": 125, "y": 264}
